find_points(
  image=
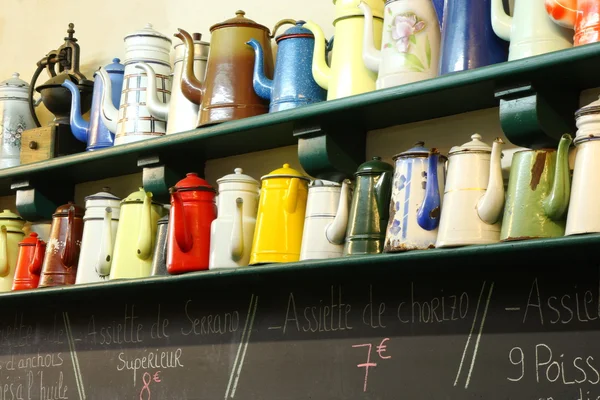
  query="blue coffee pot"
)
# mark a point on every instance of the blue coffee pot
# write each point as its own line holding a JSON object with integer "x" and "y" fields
{"x": 95, "y": 133}
{"x": 293, "y": 84}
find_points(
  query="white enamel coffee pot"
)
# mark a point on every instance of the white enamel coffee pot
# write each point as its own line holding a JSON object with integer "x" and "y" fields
{"x": 473, "y": 196}
{"x": 100, "y": 224}
{"x": 231, "y": 233}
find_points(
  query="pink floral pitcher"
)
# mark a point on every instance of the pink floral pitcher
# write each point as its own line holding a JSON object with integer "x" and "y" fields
{"x": 583, "y": 16}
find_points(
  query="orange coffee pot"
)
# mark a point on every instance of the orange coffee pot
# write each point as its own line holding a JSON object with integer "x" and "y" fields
{"x": 193, "y": 209}
{"x": 29, "y": 262}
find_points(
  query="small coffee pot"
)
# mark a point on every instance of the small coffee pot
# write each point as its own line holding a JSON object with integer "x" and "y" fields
{"x": 419, "y": 177}
{"x": 29, "y": 263}
{"x": 181, "y": 113}
{"x": 63, "y": 248}
{"x": 100, "y": 224}
{"x": 11, "y": 233}
{"x": 280, "y": 217}
{"x": 136, "y": 232}
{"x": 193, "y": 210}
{"x": 94, "y": 132}
{"x": 15, "y": 118}
{"x": 326, "y": 220}
{"x": 370, "y": 208}
{"x": 293, "y": 84}
{"x": 474, "y": 195}
{"x": 232, "y": 232}
{"x": 224, "y": 94}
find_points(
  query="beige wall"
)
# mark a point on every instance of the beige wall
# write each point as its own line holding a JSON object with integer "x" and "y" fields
{"x": 30, "y": 28}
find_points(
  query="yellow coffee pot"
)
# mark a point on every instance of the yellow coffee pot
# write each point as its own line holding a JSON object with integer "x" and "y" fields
{"x": 347, "y": 75}
{"x": 134, "y": 242}
{"x": 11, "y": 233}
{"x": 280, "y": 218}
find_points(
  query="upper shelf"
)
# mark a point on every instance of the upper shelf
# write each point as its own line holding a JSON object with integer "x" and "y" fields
{"x": 575, "y": 68}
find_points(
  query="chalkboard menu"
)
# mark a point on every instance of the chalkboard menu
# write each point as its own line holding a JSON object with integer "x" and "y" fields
{"x": 520, "y": 326}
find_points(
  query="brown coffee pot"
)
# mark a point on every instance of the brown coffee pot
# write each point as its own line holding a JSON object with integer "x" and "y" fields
{"x": 227, "y": 93}
{"x": 62, "y": 250}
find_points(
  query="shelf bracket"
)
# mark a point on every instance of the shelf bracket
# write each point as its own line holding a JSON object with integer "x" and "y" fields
{"x": 330, "y": 154}
{"x": 159, "y": 174}
{"x": 536, "y": 117}
{"x": 37, "y": 201}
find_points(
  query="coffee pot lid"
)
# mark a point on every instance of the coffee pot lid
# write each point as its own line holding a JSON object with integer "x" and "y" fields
{"x": 592, "y": 108}
{"x": 63, "y": 211}
{"x": 31, "y": 240}
{"x": 297, "y": 30}
{"x": 105, "y": 194}
{"x": 347, "y": 8}
{"x": 237, "y": 176}
{"x": 374, "y": 167}
{"x": 286, "y": 172}
{"x": 115, "y": 66}
{"x": 14, "y": 83}
{"x": 192, "y": 182}
{"x": 475, "y": 145}
{"x": 7, "y": 214}
{"x": 418, "y": 150}
{"x": 148, "y": 31}
{"x": 323, "y": 183}
{"x": 137, "y": 197}
{"x": 239, "y": 20}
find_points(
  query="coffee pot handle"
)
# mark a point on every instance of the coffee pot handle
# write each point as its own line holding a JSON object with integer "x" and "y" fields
{"x": 279, "y": 24}
{"x": 3, "y": 251}
{"x": 68, "y": 254}
{"x": 35, "y": 267}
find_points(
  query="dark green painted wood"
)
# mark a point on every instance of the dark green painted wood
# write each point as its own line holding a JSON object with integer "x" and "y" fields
{"x": 526, "y": 251}
{"x": 570, "y": 69}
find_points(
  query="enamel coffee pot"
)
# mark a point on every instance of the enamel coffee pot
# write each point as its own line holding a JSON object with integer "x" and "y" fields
{"x": 29, "y": 263}
{"x": 15, "y": 117}
{"x": 232, "y": 232}
{"x": 280, "y": 217}
{"x": 474, "y": 195}
{"x": 419, "y": 177}
{"x": 293, "y": 84}
{"x": 94, "y": 132}
{"x": 11, "y": 233}
{"x": 326, "y": 220}
{"x": 181, "y": 113}
{"x": 579, "y": 15}
{"x": 370, "y": 207}
{"x": 584, "y": 214}
{"x": 193, "y": 209}
{"x": 347, "y": 74}
{"x": 410, "y": 46}
{"x": 100, "y": 224}
{"x": 63, "y": 248}
{"x": 226, "y": 93}
{"x": 132, "y": 121}
{"x": 136, "y": 232}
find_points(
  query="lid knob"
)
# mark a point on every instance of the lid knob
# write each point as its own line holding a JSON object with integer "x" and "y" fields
{"x": 240, "y": 13}
{"x": 419, "y": 144}
{"x": 106, "y": 189}
{"x": 300, "y": 22}
{"x": 5, "y": 211}
{"x": 476, "y": 136}
{"x": 238, "y": 171}
{"x": 148, "y": 26}
{"x": 15, "y": 75}
{"x": 191, "y": 174}
{"x": 318, "y": 182}
{"x": 116, "y": 60}
{"x": 377, "y": 158}
{"x": 197, "y": 36}
{"x": 286, "y": 165}
{"x": 33, "y": 234}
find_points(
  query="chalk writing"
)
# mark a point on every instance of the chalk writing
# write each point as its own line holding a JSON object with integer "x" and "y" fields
{"x": 147, "y": 378}
{"x": 438, "y": 309}
{"x": 152, "y": 360}
{"x": 127, "y": 330}
{"x": 381, "y": 349}
{"x": 210, "y": 324}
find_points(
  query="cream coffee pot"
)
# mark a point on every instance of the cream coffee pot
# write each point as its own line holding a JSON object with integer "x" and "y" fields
{"x": 584, "y": 214}
{"x": 326, "y": 220}
{"x": 232, "y": 232}
{"x": 133, "y": 121}
{"x": 136, "y": 233}
{"x": 11, "y": 233}
{"x": 181, "y": 113}
{"x": 100, "y": 223}
{"x": 474, "y": 195}
{"x": 15, "y": 117}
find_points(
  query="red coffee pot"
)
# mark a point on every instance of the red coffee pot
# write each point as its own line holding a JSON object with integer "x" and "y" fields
{"x": 193, "y": 209}
{"x": 29, "y": 262}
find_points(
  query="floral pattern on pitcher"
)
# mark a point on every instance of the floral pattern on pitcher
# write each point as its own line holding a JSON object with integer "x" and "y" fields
{"x": 11, "y": 134}
{"x": 408, "y": 36}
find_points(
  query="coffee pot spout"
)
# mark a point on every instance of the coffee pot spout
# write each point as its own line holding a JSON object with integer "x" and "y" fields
{"x": 109, "y": 112}
{"x": 263, "y": 86}
{"x": 371, "y": 55}
{"x": 79, "y": 126}
{"x": 191, "y": 87}
{"x": 491, "y": 204}
{"x": 557, "y": 202}
{"x": 321, "y": 71}
{"x": 157, "y": 108}
{"x": 237, "y": 233}
{"x": 336, "y": 230}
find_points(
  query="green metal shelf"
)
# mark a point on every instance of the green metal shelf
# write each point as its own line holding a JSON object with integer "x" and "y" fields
{"x": 575, "y": 68}
{"x": 551, "y": 252}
